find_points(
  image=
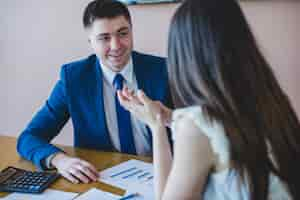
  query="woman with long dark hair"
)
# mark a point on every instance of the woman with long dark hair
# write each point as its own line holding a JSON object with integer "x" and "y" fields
{"x": 235, "y": 133}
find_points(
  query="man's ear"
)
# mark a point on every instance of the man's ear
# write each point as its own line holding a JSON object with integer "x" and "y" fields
{"x": 89, "y": 40}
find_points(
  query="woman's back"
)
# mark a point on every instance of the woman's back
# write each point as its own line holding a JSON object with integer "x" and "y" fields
{"x": 214, "y": 61}
{"x": 223, "y": 183}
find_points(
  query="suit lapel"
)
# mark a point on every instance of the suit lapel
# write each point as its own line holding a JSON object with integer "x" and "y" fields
{"x": 140, "y": 73}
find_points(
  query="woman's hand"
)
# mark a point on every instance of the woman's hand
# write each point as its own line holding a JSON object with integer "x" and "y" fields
{"x": 152, "y": 113}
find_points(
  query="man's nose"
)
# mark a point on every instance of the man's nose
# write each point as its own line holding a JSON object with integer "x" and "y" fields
{"x": 115, "y": 43}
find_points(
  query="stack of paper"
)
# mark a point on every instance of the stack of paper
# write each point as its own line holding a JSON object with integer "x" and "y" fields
{"x": 48, "y": 194}
{"x": 97, "y": 194}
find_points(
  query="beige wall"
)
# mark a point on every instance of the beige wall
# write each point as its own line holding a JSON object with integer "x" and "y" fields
{"x": 36, "y": 37}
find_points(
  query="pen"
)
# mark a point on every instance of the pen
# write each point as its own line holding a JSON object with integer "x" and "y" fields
{"x": 129, "y": 196}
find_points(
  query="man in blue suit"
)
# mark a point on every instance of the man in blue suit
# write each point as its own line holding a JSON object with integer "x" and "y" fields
{"x": 86, "y": 93}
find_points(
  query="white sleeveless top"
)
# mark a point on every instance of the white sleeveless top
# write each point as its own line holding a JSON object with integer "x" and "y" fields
{"x": 224, "y": 185}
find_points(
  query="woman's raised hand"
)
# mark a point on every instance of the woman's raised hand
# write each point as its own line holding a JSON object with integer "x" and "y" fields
{"x": 152, "y": 113}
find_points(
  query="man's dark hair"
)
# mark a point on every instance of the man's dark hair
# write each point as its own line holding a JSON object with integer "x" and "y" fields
{"x": 99, "y": 9}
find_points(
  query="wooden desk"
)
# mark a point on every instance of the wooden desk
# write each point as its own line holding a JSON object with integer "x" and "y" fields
{"x": 101, "y": 160}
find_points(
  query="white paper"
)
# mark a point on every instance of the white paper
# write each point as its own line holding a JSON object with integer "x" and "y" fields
{"x": 133, "y": 175}
{"x": 97, "y": 194}
{"x": 48, "y": 194}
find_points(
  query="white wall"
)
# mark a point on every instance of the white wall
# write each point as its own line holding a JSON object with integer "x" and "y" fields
{"x": 37, "y": 37}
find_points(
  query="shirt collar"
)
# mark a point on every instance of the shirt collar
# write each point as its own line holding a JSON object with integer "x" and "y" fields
{"x": 127, "y": 72}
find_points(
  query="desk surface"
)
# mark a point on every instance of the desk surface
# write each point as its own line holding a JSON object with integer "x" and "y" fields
{"x": 101, "y": 160}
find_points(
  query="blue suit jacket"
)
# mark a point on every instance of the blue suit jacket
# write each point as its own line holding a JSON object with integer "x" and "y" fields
{"x": 78, "y": 94}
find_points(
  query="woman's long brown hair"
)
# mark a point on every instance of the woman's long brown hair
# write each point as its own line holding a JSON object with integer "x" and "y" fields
{"x": 214, "y": 61}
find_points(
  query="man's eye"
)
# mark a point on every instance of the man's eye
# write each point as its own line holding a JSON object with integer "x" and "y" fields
{"x": 104, "y": 38}
{"x": 123, "y": 33}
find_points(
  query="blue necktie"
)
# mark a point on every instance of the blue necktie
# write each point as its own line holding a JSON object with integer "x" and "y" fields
{"x": 124, "y": 122}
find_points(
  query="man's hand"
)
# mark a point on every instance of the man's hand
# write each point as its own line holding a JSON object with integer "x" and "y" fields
{"x": 74, "y": 169}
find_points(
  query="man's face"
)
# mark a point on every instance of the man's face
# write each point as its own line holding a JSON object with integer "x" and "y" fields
{"x": 111, "y": 40}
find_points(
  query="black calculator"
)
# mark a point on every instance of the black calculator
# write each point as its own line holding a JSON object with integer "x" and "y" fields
{"x": 18, "y": 180}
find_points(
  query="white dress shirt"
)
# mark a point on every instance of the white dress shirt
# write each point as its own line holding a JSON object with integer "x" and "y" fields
{"x": 140, "y": 133}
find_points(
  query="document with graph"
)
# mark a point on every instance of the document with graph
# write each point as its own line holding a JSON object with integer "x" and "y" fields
{"x": 132, "y": 175}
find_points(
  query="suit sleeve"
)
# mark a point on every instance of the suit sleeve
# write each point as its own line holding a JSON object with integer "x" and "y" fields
{"x": 34, "y": 142}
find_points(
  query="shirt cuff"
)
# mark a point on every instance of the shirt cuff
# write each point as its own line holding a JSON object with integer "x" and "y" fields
{"x": 47, "y": 161}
